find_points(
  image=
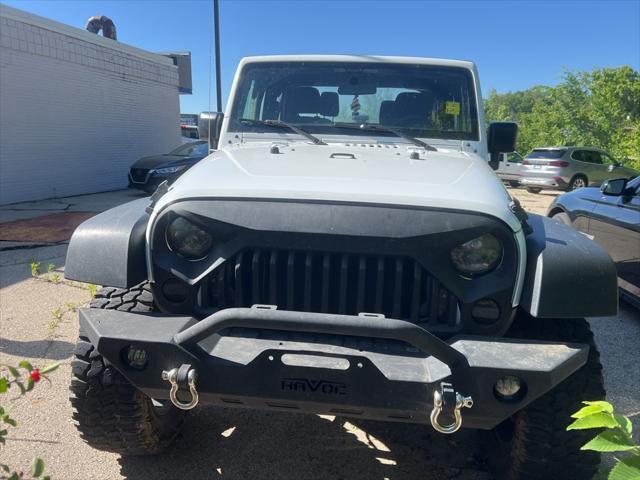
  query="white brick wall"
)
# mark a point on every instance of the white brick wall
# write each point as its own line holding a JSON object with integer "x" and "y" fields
{"x": 76, "y": 110}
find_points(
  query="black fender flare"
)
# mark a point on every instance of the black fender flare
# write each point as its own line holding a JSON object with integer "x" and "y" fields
{"x": 109, "y": 249}
{"x": 568, "y": 275}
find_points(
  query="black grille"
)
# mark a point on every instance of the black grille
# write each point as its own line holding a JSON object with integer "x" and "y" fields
{"x": 139, "y": 174}
{"x": 331, "y": 283}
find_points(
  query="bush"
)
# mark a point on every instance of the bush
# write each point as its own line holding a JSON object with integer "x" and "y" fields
{"x": 616, "y": 437}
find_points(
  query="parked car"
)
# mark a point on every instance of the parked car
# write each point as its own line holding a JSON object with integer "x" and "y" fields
{"x": 189, "y": 131}
{"x": 611, "y": 216}
{"x": 569, "y": 168}
{"x": 510, "y": 168}
{"x": 148, "y": 172}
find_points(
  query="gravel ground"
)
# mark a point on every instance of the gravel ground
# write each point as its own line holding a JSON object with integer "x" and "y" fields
{"x": 38, "y": 322}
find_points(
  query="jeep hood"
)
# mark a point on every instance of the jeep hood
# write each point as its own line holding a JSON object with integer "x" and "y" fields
{"x": 369, "y": 173}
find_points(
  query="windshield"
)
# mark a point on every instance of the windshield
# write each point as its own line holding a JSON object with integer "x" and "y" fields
{"x": 547, "y": 153}
{"x": 419, "y": 100}
{"x": 193, "y": 149}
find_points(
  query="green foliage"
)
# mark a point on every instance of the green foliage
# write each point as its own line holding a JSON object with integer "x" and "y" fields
{"x": 626, "y": 469}
{"x": 56, "y": 314}
{"x": 600, "y": 108}
{"x": 594, "y": 420}
{"x": 24, "y": 378}
{"x": 50, "y": 267}
{"x": 616, "y": 438}
{"x": 610, "y": 441}
{"x": 35, "y": 268}
{"x": 37, "y": 467}
{"x": 93, "y": 289}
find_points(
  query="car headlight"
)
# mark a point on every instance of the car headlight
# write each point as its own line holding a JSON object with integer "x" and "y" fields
{"x": 169, "y": 170}
{"x": 188, "y": 239}
{"x": 476, "y": 256}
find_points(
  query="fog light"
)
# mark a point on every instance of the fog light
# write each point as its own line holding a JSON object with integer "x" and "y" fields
{"x": 175, "y": 290}
{"x": 510, "y": 388}
{"x": 485, "y": 311}
{"x": 136, "y": 357}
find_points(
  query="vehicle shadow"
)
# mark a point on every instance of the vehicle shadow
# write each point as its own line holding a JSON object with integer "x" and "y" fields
{"x": 48, "y": 349}
{"x": 238, "y": 445}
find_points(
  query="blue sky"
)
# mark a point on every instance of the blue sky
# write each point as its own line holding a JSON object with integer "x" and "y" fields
{"x": 516, "y": 44}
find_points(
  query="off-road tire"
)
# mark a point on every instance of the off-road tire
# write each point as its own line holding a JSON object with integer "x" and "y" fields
{"x": 578, "y": 181}
{"x": 110, "y": 413}
{"x": 534, "y": 443}
{"x": 136, "y": 299}
{"x": 534, "y": 189}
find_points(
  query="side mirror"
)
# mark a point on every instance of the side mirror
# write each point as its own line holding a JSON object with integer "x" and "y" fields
{"x": 209, "y": 126}
{"x": 614, "y": 187}
{"x": 501, "y": 138}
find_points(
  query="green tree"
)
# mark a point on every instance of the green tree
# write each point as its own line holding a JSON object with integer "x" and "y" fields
{"x": 600, "y": 108}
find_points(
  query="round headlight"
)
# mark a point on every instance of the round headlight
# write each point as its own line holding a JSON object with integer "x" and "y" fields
{"x": 187, "y": 239}
{"x": 476, "y": 256}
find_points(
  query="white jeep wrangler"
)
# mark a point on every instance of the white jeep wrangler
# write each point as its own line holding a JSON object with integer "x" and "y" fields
{"x": 346, "y": 250}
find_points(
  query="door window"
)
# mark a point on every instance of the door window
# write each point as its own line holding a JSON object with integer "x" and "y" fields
{"x": 607, "y": 159}
{"x": 593, "y": 157}
{"x": 579, "y": 155}
{"x": 514, "y": 157}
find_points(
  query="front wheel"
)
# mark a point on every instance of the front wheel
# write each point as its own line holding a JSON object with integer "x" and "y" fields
{"x": 534, "y": 189}
{"x": 109, "y": 412}
{"x": 533, "y": 444}
{"x": 579, "y": 181}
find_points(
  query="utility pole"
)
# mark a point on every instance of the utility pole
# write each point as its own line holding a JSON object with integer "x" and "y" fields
{"x": 216, "y": 28}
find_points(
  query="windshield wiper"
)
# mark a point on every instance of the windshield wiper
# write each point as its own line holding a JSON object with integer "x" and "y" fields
{"x": 367, "y": 127}
{"x": 281, "y": 124}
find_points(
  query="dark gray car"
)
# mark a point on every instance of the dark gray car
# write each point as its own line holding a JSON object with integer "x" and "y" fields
{"x": 149, "y": 172}
{"x": 611, "y": 217}
{"x": 569, "y": 168}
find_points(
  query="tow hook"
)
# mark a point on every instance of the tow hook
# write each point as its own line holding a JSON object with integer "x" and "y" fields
{"x": 180, "y": 379}
{"x": 448, "y": 400}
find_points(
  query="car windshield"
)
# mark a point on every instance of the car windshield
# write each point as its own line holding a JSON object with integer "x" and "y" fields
{"x": 419, "y": 100}
{"x": 194, "y": 149}
{"x": 547, "y": 153}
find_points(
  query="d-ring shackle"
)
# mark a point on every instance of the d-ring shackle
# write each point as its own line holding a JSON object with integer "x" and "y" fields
{"x": 438, "y": 403}
{"x": 172, "y": 377}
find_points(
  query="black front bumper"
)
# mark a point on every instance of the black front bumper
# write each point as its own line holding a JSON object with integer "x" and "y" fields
{"x": 364, "y": 366}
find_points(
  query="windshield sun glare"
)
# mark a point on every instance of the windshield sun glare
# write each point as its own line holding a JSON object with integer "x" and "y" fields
{"x": 322, "y": 97}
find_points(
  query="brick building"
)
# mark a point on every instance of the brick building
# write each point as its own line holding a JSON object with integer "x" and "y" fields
{"x": 77, "y": 109}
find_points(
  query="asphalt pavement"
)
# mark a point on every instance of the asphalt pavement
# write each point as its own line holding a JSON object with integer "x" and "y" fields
{"x": 38, "y": 322}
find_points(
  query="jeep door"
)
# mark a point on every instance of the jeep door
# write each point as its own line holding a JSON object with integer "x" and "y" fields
{"x": 512, "y": 166}
{"x": 615, "y": 225}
